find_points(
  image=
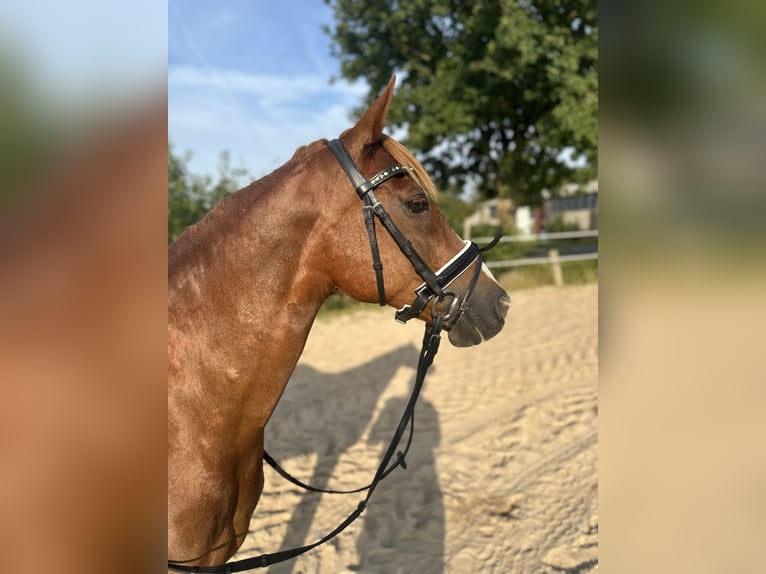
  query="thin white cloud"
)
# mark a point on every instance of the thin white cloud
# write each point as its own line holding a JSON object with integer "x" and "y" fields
{"x": 260, "y": 118}
{"x": 264, "y": 85}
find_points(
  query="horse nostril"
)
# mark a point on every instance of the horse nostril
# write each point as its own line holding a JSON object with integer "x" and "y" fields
{"x": 503, "y": 304}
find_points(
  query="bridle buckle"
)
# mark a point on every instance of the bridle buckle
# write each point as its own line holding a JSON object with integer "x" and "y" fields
{"x": 454, "y": 306}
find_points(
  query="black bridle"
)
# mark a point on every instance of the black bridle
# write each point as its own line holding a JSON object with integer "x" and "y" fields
{"x": 435, "y": 284}
{"x": 435, "y": 287}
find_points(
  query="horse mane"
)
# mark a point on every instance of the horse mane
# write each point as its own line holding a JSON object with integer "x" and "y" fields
{"x": 234, "y": 203}
{"x": 306, "y": 150}
{"x": 403, "y": 156}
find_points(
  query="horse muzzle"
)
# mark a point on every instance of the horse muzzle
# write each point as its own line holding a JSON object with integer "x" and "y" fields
{"x": 482, "y": 318}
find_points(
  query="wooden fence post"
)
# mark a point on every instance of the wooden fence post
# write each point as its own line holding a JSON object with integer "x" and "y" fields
{"x": 558, "y": 276}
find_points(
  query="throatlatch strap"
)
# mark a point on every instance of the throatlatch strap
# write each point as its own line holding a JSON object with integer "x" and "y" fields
{"x": 377, "y": 265}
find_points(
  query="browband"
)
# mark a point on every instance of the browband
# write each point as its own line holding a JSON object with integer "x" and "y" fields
{"x": 361, "y": 185}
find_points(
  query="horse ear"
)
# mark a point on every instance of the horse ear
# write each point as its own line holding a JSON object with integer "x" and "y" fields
{"x": 369, "y": 129}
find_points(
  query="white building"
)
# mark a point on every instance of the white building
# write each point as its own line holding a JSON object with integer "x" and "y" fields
{"x": 491, "y": 212}
{"x": 575, "y": 205}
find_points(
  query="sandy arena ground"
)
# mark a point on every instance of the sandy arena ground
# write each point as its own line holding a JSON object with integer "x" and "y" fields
{"x": 502, "y": 473}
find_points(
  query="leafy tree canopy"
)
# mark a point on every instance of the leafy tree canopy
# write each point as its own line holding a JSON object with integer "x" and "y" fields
{"x": 494, "y": 90}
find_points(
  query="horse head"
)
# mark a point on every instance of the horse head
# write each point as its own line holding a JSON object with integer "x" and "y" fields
{"x": 470, "y": 302}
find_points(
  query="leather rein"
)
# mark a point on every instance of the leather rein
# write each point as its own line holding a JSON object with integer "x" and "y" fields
{"x": 435, "y": 288}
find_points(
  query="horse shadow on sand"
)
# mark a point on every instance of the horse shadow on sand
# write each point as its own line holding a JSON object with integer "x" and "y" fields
{"x": 402, "y": 529}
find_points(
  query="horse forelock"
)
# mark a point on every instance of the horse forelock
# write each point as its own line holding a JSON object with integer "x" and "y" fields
{"x": 416, "y": 170}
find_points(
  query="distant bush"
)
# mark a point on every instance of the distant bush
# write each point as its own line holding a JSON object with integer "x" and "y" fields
{"x": 485, "y": 230}
{"x": 557, "y": 225}
{"x": 531, "y": 276}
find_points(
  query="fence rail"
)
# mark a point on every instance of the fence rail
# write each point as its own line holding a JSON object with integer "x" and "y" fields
{"x": 554, "y": 259}
{"x": 540, "y": 260}
{"x": 540, "y": 236}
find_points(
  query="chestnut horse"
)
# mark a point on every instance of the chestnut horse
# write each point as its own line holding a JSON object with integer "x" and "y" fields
{"x": 244, "y": 287}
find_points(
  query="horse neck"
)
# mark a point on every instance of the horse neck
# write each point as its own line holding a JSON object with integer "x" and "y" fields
{"x": 245, "y": 285}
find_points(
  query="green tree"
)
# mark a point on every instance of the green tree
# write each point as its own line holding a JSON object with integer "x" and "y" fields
{"x": 183, "y": 209}
{"x": 455, "y": 210}
{"x": 190, "y": 196}
{"x": 495, "y": 90}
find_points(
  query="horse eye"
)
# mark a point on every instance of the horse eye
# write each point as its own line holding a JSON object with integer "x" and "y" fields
{"x": 418, "y": 205}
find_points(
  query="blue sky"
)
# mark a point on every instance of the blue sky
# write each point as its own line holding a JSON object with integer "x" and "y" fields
{"x": 252, "y": 77}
